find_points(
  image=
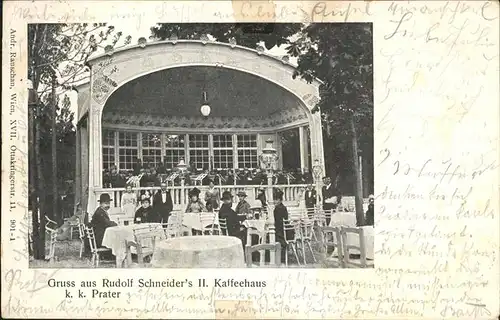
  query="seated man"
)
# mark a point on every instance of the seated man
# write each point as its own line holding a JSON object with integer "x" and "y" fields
{"x": 145, "y": 213}
{"x": 234, "y": 228}
{"x": 100, "y": 220}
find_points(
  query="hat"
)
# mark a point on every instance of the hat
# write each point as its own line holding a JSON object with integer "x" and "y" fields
{"x": 277, "y": 194}
{"x": 194, "y": 192}
{"x": 104, "y": 197}
{"x": 226, "y": 195}
{"x": 145, "y": 197}
{"x": 241, "y": 194}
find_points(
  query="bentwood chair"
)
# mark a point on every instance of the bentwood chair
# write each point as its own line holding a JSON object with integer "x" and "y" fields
{"x": 222, "y": 226}
{"x": 306, "y": 228}
{"x": 363, "y": 262}
{"x": 262, "y": 248}
{"x": 291, "y": 242}
{"x": 329, "y": 234}
{"x": 207, "y": 220}
{"x": 96, "y": 252}
{"x": 81, "y": 235}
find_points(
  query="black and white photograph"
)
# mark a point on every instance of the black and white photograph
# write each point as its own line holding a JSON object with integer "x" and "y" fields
{"x": 201, "y": 145}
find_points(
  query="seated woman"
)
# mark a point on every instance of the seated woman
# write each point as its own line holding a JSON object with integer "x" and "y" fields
{"x": 195, "y": 205}
{"x": 145, "y": 213}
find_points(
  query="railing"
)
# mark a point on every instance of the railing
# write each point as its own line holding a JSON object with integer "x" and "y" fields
{"x": 292, "y": 194}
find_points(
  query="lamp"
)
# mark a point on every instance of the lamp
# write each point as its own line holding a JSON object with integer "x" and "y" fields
{"x": 268, "y": 159}
{"x": 205, "y": 108}
{"x": 181, "y": 166}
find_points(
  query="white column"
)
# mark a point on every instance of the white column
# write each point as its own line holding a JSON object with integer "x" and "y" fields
{"x": 78, "y": 167}
{"x": 317, "y": 140}
{"x": 303, "y": 148}
{"x": 95, "y": 154}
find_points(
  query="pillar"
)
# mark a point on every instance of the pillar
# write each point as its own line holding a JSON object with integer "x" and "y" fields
{"x": 78, "y": 167}
{"x": 304, "y": 149}
{"x": 95, "y": 153}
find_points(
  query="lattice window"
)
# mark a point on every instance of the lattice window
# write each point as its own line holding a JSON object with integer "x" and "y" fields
{"x": 174, "y": 150}
{"x": 108, "y": 149}
{"x": 247, "y": 151}
{"x": 223, "y": 151}
{"x": 151, "y": 149}
{"x": 128, "y": 150}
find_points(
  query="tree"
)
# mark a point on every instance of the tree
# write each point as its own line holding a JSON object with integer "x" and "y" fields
{"x": 246, "y": 34}
{"x": 61, "y": 50}
{"x": 341, "y": 55}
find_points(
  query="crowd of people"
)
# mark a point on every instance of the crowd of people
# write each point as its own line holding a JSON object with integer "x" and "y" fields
{"x": 153, "y": 176}
{"x": 161, "y": 207}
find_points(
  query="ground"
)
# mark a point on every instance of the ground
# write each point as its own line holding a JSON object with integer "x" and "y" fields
{"x": 67, "y": 256}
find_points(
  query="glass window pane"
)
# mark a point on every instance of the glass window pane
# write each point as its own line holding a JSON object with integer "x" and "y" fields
{"x": 172, "y": 157}
{"x": 127, "y": 139}
{"x": 151, "y": 140}
{"x": 199, "y": 159}
{"x": 108, "y": 157}
{"x": 174, "y": 141}
{"x": 127, "y": 158}
{"x": 247, "y": 141}
{"x": 223, "y": 141}
{"x": 108, "y": 138}
{"x": 198, "y": 141}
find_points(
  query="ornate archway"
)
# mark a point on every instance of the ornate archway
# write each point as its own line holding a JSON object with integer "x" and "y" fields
{"x": 113, "y": 70}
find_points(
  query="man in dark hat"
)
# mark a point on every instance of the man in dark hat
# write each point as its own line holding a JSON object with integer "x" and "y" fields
{"x": 280, "y": 214}
{"x": 162, "y": 203}
{"x": 146, "y": 214}
{"x": 234, "y": 228}
{"x": 243, "y": 207}
{"x": 100, "y": 220}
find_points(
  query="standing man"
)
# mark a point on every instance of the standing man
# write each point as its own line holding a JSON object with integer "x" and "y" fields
{"x": 243, "y": 207}
{"x": 234, "y": 228}
{"x": 310, "y": 197}
{"x": 162, "y": 203}
{"x": 100, "y": 220}
{"x": 331, "y": 197}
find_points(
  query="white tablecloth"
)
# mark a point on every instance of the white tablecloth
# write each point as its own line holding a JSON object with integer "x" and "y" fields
{"x": 193, "y": 220}
{"x": 199, "y": 252}
{"x": 347, "y": 219}
{"x": 353, "y": 239}
{"x": 114, "y": 237}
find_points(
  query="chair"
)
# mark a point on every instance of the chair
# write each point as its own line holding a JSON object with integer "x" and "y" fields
{"x": 333, "y": 233}
{"x": 290, "y": 243}
{"x": 171, "y": 228}
{"x": 141, "y": 243}
{"x": 96, "y": 252}
{"x": 207, "y": 222}
{"x": 262, "y": 248}
{"x": 51, "y": 229}
{"x": 305, "y": 237}
{"x": 81, "y": 234}
{"x": 363, "y": 262}
{"x": 222, "y": 226}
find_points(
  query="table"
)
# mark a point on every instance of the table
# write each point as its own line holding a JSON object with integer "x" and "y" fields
{"x": 347, "y": 219}
{"x": 199, "y": 252}
{"x": 114, "y": 238}
{"x": 369, "y": 235}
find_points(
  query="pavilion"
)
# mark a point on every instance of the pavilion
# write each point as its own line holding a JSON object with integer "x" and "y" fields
{"x": 144, "y": 102}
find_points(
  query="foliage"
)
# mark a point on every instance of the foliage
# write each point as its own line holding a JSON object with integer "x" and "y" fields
{"x": 245, "y": 34}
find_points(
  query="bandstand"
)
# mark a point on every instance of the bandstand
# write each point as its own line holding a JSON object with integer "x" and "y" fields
{"x": 149, "y": 102}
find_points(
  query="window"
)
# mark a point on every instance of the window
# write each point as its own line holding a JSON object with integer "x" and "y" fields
{"x": 128, "y": 158}
{"x": 151, "y": 149}
{"x": 127, "y": 150}
{"x": 108, "y": 149}
{"x": 198, "y": 151}
{"x": 247, "y": 151}
{"x": 223, "y": 151}
{"x": 174, "y": 150}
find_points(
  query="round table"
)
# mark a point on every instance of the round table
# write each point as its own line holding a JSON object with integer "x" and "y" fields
{"x": 199, "y": 252}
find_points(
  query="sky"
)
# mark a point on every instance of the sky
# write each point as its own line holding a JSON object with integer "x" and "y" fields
{"x": 143, "y": 30}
